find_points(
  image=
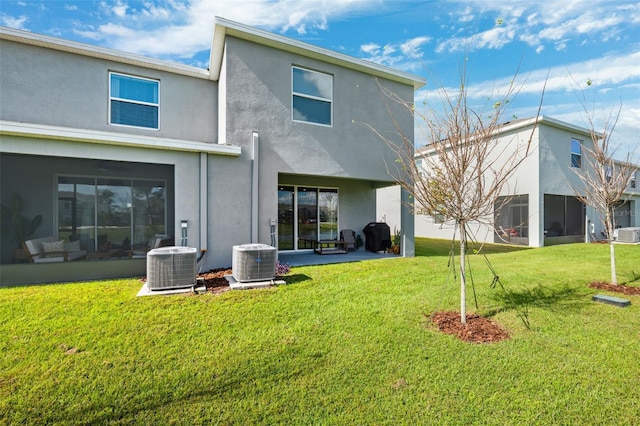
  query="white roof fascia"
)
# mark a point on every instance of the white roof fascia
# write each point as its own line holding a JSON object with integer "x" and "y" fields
{"x": 522, "y": 123}
{"x": 223, "y": 27}
{"x": 40, "y": 131}
{"x": 33, "y": 39}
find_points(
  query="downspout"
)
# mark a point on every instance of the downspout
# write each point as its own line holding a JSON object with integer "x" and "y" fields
{"x": 204, "y": 203}
{"x": 255, "y": 169}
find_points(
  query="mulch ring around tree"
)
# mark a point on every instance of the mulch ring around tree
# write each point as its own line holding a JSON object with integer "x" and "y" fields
{"x": 477, "y": 329}
{"x": 619, "y": 288}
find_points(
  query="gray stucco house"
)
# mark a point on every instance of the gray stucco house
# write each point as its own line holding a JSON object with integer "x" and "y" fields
{"x": 266, "y": 145}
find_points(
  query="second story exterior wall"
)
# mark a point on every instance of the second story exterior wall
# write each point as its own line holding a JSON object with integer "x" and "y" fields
{"x": 259, "y": 98}
{"x": 557, "y": 175}
{"x": 57, "y": 88}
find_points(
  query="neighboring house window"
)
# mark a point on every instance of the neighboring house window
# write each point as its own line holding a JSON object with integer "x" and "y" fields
{"x": 632, "y": 181}
{"x": 576, "y": 153}
{"x": 420, "y": 168}
{"x": 563, "y": 216}
{"x": 312, "y": 96}
{"x": 133, "y": 101}
{"x": 608, "y": 173}
{"x": 438, "y": 218}
{"x": 511, "y": 216}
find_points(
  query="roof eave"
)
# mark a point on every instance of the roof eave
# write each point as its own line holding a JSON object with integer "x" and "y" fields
{"x": 69, "y": 46}
{"x": 223, "y": 27}
{"x": 520, "y": 124}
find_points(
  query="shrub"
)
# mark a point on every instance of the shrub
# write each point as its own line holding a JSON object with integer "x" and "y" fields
{"x": 282, "y": 269}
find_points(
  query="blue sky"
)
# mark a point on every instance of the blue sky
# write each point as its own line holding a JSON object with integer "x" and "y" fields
{"x": 590, "y": 49}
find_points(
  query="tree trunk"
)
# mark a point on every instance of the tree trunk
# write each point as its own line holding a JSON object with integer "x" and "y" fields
{"x": 463, "y": 275}
{"x": 612, "y": 255}
{"x": 612, "y": 252}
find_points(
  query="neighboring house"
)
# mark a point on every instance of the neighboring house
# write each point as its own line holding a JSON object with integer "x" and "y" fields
{"x": 266, "y": 145}
{"x": 543, "y": 209}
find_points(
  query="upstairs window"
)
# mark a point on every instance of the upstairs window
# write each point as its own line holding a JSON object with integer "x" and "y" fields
{"x": 576, "y": 153}
{"x": 312, "y": 96}
{"x": 133, "y": 101}
{"x": 632, "y": 180}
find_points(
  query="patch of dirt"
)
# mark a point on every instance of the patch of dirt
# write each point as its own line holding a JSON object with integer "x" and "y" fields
{"x": 477, "y": 329}
{"x": 214, "y": 280}
{"x": 631, "y": 291}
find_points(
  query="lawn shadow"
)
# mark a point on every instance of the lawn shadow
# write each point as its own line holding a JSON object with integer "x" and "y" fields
{"x": 635, "y": 277}
{"x": 429, "y": 247}
{"x": 296, "y": 278}
{"x": 559, "y": 299}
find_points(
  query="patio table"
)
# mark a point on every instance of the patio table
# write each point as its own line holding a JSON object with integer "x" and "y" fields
{"x": 326, "y": 246}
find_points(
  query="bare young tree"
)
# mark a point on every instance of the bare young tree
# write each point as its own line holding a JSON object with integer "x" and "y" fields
{"x": 604, "y": 181}
{"x": 465, "y": 167}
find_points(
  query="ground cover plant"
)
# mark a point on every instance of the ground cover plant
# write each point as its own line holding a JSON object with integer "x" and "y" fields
{"x": 339, "y": 344}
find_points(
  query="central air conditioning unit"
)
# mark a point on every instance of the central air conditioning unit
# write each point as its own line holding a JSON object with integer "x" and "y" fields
{"x": 254, "y": 262}
{"x": 628, "y": 235}
{"x": 171, "y": 267}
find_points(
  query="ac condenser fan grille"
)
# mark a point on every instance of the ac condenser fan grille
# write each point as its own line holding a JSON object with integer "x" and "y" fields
{"x": 171, "y": 267}
{"x": 254, "y": 262}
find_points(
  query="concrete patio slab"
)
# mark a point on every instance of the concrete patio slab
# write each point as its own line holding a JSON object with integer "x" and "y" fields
{"x": 235, "y": 285}
{"x": 145, "y": 291}
{"x": 311, "y": 258}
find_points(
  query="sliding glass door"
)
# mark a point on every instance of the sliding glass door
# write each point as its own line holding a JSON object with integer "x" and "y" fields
{"x": 328, "y": 212}
{"x": 306, "y": 214}
{"x": 106, "y": 213}
{"x": 114, "y": 213}
{"x": 77, "y": 210}
{"x": 149, "y": 212}
{"x": 286, "y": 218}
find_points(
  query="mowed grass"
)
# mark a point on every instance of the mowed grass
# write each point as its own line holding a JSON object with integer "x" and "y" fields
{"x": 339, "y": 344}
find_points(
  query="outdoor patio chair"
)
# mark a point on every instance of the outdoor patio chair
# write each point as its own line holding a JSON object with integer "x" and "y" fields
{"x": 157, "y": 241}
{"x": 50, "y": 249}
{"x": 349, "y": 238}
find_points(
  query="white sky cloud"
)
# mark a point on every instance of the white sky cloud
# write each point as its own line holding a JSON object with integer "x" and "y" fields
{"x": 495, "y": 38}
{"x": 14, "y": 22}
{"x": 538, "y": 22}
{"x": 370, "y": 48}
{"x": 411, "y": 48}
{"x": 602, "y": 71}
{"x": 176, "y": 28}
{"x": 406, "y": 55}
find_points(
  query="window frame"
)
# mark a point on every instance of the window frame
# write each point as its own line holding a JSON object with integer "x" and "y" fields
{"x": 608, "y": 173}
{"x": 295, "y": 189}
{"x": 95, "y": 182}
{"x": 633, "y": 182}
{"x": 577, "y": 163}
{"x": 131, "y": 101}
{"x": 311, "y": 97}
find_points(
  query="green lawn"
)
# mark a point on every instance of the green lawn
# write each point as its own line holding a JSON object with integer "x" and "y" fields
{"x": 340, "y": 344}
